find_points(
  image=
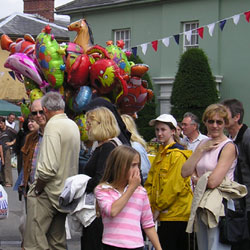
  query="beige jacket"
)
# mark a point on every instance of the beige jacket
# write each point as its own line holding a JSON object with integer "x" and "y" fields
{"x": 209, "y": 201}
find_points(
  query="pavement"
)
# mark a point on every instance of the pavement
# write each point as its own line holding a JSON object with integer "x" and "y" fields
{"x": 10, "y": 236}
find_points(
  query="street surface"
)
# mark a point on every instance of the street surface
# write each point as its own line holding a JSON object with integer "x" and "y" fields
{"x": 10, "y": 237}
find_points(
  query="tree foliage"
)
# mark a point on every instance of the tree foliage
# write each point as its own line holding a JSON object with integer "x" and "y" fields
{"x": 148, "y": 112}
{"x": 194, "y": 87}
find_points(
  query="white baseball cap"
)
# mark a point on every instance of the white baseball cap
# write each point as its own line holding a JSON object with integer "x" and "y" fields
{"x": 164, "y": 118}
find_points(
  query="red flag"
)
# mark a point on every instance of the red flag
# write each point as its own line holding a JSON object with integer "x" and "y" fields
{"x": 200, "y": 32}
{"x": 155, "y": 45}
{"x": 247, "y": 16}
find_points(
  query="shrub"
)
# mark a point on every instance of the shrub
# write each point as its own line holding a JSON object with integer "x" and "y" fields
{"x": 194, "y": 87}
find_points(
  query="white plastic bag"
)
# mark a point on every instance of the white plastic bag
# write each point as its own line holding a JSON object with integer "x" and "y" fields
{"x": 4, "y": 211}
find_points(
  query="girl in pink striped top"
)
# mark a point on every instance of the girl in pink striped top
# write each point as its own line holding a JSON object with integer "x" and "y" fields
{"x": 124, "y": 204}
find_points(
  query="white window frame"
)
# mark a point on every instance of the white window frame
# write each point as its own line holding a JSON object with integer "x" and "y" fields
{"x": 194, "y": 42}
{"x": 125, "y": 35}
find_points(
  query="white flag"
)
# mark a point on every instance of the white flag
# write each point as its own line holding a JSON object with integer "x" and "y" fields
{"x": 144, "y": 48}
{"x": 211, "y": 28}
{"x": 236, "y": 19}
{"x": 188, "y": 35}
{"x": 165, "y": 41}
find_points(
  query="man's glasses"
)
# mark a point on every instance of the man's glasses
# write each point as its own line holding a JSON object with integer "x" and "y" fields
{"x": 218, "y": 122}
{"x": 36, "y": 112}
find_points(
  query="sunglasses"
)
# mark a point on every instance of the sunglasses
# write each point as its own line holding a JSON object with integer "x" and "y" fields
{"x": 36, "y": 112}
{"x": 218, "y": 122}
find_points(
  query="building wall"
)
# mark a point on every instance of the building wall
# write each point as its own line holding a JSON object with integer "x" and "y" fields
{"x": 228, "y": 50}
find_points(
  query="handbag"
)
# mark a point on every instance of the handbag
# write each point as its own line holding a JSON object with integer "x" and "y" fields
{"x": 233, "y": 227}
{"x": 3, "y": 203}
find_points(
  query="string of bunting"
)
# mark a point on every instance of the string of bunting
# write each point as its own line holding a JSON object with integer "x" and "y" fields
{"x": 188, "y": 34}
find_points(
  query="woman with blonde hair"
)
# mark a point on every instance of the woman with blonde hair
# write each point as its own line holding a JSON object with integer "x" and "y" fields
{"x": 138, "y": 143}
{"x": 102, "y": 127}
{"x": 218, "y": 155}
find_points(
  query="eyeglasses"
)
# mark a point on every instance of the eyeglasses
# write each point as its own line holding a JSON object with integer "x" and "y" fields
{"x": 36, "y": 112}
{"x": 218, "y": 122}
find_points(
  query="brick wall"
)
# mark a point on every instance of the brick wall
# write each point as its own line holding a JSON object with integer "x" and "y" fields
{"x": 44, "y": 8}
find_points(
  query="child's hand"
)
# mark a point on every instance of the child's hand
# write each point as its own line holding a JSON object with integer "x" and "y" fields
{"x": 135, "y": 178}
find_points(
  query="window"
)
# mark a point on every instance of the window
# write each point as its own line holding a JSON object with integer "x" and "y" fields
{"x": 194, "y": 42}
{"x": 124, "y": 35}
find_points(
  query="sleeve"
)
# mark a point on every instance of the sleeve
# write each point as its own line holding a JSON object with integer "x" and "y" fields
{"x": 49, "y": 157}
{"x": 104, "y": 200}
{"x": 171, "y": 182}
{"x": 147, "y": 216}
{"x": 100, "y": 164}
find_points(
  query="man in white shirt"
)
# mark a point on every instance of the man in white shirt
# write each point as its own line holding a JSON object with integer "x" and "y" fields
{"x": 190, "y": 126}
{"x": 10, "y": 121}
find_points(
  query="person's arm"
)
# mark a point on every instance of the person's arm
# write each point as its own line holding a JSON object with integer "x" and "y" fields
{"x": 189, "y": 166}
{"x": 153, "y": 237}
{"x": 227, "y": 156}
{"x": 1, "y": 154}
{"x": 11, "y": 143}
{"x": 133, "y": 183}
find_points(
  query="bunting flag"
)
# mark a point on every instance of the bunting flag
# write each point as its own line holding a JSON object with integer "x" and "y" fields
{"x": 211, "y": 28}
{"x": 177, "y": 38}
{"x": 134, "y": 51}
{"x": 236, "y": 19}
{"x": 247, "y": 15}
{"x": 144, "y": 48}
{"x": 165, "y": 41}
{"x": 200, "y": 32}
{"x": 187, "y": 34}
{"x": 155, "y": 45}
{"x": 12, "y": 74}
{"x": 222, "y": 24}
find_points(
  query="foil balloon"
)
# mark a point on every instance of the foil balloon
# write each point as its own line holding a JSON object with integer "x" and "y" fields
{"x": 23, "y": 65}
{"x": 81, "y": 98}
{"x": 35, "y": 94}
{"x": 118, "y": 55}
{"x": 78, "y": 73}
{"x": 137, "y": 97}
{"x": 29, "y": 84}
{"x": 50, "y": 57}
{"x": 80, "y": 120}
{"x": 105, "y": 78}
{"x": 21, "y": 45}
{"x": 25, "y": 110}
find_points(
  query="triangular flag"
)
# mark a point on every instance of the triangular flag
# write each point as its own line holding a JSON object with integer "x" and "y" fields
{"x": 247, "y": 15}
{"x": 166, "y": 41}
{"x": 222, "y": 24}
{"x": 200, "y": 31}
{"x": 144, "y": 48}
{"x": 134, "y": 51}
{"x": 236, "y": 19}
{"x": 188, "y": 35}
{"x": 12, "y": 74}
{"x": 177, "y": 38}
{"x": 211, "y": 28}
{"x": 155, "y": 45}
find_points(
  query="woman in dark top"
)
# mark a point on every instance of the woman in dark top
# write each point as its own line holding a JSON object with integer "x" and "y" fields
{"x": 103, "y": 128}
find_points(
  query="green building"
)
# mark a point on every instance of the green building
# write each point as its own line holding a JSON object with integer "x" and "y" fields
{"x": 140, "y": 22}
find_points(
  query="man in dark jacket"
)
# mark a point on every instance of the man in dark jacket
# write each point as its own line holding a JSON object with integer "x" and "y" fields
{"x": 240, "y": 134}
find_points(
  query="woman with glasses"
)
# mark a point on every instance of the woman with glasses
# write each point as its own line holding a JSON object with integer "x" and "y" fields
{"x": 218, "y": 155}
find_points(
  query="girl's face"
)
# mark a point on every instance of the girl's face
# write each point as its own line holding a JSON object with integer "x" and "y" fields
{"x": 32, "y": 125}
{"x": 215, "y": 126}
{"x": 135, "y": 166}
{"x": 178, "y": 130}
{"x": 164, "y": 133}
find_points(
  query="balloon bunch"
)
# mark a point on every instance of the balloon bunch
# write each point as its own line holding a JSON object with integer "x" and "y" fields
{"x": 77, "y": 70}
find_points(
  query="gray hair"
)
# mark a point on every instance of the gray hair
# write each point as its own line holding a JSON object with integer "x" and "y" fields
{"x": 194, "y": 118}
{"x": 53, "y": 101}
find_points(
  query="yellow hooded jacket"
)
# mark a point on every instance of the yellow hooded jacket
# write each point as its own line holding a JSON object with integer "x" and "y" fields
{"x": 168, "y": 191}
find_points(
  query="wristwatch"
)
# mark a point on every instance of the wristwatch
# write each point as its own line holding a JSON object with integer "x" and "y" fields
{"x": 37, "y": 193}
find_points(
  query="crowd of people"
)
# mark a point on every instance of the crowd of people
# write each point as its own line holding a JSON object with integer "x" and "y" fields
{"x": 134, "y": 199}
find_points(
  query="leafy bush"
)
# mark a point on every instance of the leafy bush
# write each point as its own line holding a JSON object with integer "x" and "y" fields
{"x": 194, "y": 87}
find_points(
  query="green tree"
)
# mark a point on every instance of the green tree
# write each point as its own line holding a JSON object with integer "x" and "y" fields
{"x": 148, "y": 112}
{"x": 194, "y": 87}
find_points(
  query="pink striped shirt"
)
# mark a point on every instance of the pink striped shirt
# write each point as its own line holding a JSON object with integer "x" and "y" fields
{"x": 124, "y": 230}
